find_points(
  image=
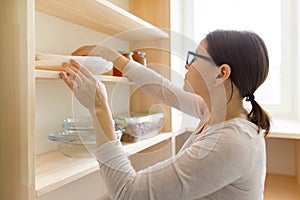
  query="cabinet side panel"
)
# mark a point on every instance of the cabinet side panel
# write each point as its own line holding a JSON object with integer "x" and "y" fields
{"x": 156, "y": 12}
{"x": 17, "y": 100}
{"x": 281, "y": 156}
{"x": 298, "y": 162}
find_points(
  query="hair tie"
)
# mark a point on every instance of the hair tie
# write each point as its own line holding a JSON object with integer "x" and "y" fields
{"x": 250, "y": 97}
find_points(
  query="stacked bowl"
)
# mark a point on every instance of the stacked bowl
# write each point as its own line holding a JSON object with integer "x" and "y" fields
{"x": 78, "y": 137}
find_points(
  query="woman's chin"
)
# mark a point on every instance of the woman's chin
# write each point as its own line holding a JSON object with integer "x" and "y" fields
{"x": 187, "y": 87}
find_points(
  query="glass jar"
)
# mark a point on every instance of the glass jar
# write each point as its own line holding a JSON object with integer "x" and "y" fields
{"x": 126, "y": 54}
{"x": 139, "y": 57}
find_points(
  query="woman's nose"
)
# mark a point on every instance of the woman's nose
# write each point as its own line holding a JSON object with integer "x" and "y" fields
{"x": 187, "y": 66}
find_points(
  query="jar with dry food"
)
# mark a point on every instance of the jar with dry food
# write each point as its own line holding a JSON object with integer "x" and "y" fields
{"x": 139, "y": 57}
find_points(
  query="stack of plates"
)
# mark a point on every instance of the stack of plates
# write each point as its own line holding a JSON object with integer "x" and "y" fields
{"x": 96, "y": 65}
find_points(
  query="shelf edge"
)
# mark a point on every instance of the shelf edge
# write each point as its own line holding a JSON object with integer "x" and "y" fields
{"x": 87, "y": 166}
{"x": 54, "y": 75}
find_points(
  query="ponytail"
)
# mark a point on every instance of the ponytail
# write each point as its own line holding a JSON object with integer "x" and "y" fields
{"x": 259, "y": 116}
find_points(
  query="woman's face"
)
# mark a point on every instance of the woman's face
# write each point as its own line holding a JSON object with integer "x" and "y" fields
{"x": 201, "y": 74}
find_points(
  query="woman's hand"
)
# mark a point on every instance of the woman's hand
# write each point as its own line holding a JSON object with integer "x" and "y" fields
{"x": 91, "y": 93}
{"x": 97, "y": 50}
{"x": 86, "y": 88}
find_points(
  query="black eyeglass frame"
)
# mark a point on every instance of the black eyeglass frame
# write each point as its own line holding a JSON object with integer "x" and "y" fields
{"x": 208, "y": 59}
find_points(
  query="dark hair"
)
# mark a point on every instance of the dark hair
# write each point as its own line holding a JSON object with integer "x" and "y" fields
{"x": 246, "y": 53}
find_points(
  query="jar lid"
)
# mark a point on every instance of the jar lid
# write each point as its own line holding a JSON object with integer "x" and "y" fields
{"x": 139, "y": 53}
{"x": 125, "y": 52}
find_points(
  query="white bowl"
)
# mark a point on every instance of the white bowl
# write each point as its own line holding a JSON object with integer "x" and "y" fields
{"x": 96, "y": 65}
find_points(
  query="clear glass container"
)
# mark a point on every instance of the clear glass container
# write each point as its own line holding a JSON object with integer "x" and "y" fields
{"x": 80, "y": 123}
{"x": 139, "y": 125}
{"x": 77, "y": 143}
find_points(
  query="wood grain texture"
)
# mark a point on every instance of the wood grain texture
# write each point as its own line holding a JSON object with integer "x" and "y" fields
{"x": 157, "y": 51}
{"x": 17, "y": 100}
{"x": 53, "y": 170}
{"x": 298, "y": 162}
{"x": 156, "y": 12}
{"x": 102, "y": 16}
{"x": 280, "y": 187}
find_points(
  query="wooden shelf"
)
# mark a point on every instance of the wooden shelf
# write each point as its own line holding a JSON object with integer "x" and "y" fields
{"x": 54, "y": 75}
{"x": 53, "y": 170}
{"x": 102, "y": 16}
{"x": 46, "y": 74}
{"x": 278, "y": 187}
{"x": 280, "y": 128}
{"x": 286, "y": 129}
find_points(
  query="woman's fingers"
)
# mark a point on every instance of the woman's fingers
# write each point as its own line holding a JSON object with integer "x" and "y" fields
{"x": 81, "y": 68}
{"x": 69, "y": 81}
{"x": 69, "y": 70}
{"x": 73, "y": 83}
{"x": 72, "y": 71}
{"x": 77, "y": 76}
{"x": 75, "y": 63}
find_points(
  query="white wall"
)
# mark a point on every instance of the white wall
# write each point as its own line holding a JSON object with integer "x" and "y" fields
{"x": 56, "y": 36}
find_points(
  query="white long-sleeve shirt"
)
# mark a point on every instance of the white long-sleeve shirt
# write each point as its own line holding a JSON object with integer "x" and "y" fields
{"x": 226, "y": 161}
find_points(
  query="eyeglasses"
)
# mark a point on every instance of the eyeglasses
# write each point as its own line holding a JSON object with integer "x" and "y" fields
{"x": 191, "y": 58}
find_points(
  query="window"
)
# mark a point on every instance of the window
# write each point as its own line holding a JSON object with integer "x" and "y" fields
{"x": 276, "y": 22}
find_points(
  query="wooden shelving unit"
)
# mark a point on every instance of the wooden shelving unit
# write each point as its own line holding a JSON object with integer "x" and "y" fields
{"x": 53, "y": 170}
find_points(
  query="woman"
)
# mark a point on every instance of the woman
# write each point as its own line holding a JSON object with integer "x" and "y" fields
{"x": 225, "y": 157}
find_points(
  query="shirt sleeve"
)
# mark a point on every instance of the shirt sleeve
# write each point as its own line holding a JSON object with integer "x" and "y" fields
{"x": 205, "y": 167}
{"x": 161, "y": 89}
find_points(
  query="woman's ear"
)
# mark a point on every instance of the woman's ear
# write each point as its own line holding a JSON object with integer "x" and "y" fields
{"x": 224, "y": 72}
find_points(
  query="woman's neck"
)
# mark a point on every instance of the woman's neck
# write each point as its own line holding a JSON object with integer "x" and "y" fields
{"x": 225, "y": 111}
